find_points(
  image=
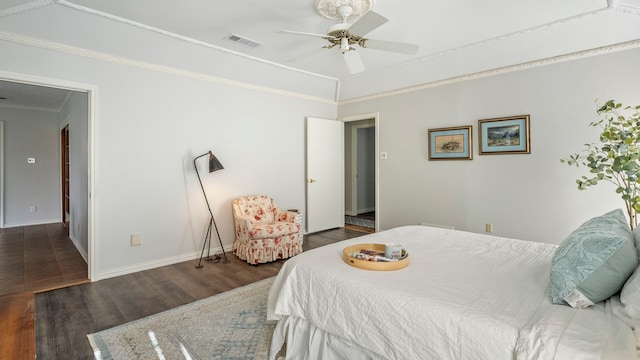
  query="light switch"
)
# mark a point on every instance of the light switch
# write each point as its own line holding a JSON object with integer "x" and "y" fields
{"x": 31, "y": 160}
{"x": 383, "y": 155}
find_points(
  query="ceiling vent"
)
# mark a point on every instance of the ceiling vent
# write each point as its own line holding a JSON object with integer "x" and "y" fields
{"x": 243, "y": 40}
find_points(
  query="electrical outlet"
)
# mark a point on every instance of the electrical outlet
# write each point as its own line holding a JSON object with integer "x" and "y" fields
{"x": 488, "y": 228}
{"x": 33, "y": 208}
{"x": 136, "y": 239}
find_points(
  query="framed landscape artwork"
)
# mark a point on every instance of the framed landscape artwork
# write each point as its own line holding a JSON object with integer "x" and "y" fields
{"x": 452, "y": 143}
{"x": 506, "y": 135}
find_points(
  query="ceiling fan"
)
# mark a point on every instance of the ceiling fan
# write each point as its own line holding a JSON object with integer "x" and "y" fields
{"x": 346, "y": 35}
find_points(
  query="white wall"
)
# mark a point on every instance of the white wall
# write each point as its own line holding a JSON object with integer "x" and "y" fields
{"x": 524, "y": 196}
{"x": 75, "y": 113}
{"x": 149, "y": 127}
{"x": 151, "y": 123}
{"x": 31, "y": 133}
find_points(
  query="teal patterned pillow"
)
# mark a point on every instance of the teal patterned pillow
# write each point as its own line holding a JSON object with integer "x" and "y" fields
{"x": 594, "y": 261}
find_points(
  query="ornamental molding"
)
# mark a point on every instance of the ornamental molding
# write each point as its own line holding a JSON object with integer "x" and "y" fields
{"x": 499, "y": 71}
{"x": 100, "y": 56}
{"x": 329, "y": 8}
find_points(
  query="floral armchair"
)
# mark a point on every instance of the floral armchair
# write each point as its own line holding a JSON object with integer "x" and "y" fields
{"x": 264, "y": 233}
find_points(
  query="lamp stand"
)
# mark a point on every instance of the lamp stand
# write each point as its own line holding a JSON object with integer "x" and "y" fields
{"x": 214, "y": 165}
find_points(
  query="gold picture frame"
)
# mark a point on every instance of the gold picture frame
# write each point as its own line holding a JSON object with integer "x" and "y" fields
{"x": 451, "y": 143}
{"x": 505, "y": 135}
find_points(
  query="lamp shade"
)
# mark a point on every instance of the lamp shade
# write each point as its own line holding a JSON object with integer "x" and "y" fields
{"x": 214, "y": 163}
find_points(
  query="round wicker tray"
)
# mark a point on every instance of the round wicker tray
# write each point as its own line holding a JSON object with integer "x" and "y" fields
{"x": 373, "y": 265}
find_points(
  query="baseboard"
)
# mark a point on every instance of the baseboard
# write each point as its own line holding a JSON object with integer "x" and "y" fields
{"x": 365, "y": 210}
{"x": 125, "y": 270}
{"x": 39, "y": 222}
{"x": 78, "y": 246}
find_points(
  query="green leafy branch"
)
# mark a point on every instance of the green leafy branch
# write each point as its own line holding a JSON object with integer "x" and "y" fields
{"x": 616, "y": 158}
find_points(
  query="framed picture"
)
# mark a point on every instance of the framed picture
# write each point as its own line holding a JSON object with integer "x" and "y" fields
{"x": 507, "y": 135}
{"x": 453, "y": 143}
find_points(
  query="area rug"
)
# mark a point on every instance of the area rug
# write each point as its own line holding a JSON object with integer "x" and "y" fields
{"x": 230, "y": 325}
{"x": 359, "y": 221}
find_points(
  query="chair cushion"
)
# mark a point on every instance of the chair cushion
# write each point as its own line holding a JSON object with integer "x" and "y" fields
{"x": 594, "y": 261}
{"x": 257, "y": 209}
{"x": 273, "y": 230}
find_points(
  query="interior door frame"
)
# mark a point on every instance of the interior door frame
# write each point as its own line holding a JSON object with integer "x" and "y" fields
{"x": 1, "y": 174}
{"x": 64, "y": 170}
{"x": 354, "y": 165}
{"x": 92, "y": 116}
{"x": 376, "y": 117}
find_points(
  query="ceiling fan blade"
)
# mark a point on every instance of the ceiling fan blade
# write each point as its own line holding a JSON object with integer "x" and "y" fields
{"x": 354, "y": 62}
{"x": 324, "y": 36}
{"x": 367, "y": 23}
{"x": 398, "y": 47}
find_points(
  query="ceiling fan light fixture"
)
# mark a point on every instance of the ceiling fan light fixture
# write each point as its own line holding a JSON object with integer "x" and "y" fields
{"x": 344, "y": 44}
{"x": 331, "y": 9}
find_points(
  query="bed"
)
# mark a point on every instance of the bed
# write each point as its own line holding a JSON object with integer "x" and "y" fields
{"x": 462, "y": 296}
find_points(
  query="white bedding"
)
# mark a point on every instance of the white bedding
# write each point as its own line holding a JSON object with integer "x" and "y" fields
{"x": 463, "y": 296}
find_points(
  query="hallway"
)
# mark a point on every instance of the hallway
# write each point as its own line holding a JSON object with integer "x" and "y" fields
{"x": 33, "y": 259}
{"x": 38, "y": 258}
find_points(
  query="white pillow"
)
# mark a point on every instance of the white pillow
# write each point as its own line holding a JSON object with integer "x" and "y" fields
{"x": 630, "y": 293}
{"x": 630, "y": 297}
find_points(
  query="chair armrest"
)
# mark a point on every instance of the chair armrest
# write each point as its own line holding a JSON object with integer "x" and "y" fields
{"x": 243, "y": 226}
{"x": 285, "y": 215}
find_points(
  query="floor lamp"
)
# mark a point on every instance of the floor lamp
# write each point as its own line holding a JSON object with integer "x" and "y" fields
{"x": 214, "y": 165}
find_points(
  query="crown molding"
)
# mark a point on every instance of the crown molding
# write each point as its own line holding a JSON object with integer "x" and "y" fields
{"x": 183, "y": 38}
{"x": 502, "y": 70}
{"x": 31, "y": 108}
{"x": 627, "y": 6}
{"x": 25, "y": 7}
{"x": 42, "y": 3}
{"x": 72, "y": 50}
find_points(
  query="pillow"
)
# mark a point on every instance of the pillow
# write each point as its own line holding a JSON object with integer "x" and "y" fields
{"x": 630, "y": 297}
{"x": 636, "y": 238}
{"x": 594, "y": 261}
{"x": 630, "y": 293}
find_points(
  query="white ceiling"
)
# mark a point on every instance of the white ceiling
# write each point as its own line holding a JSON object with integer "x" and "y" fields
{"x": 20, "y": 95}
{"x": 456, "y": 37}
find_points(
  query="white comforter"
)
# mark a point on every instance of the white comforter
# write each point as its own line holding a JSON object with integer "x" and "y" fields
{"x": 463, "y": 296}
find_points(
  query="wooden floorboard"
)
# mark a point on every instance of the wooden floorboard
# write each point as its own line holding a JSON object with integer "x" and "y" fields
{"x": 32, "y": 259}
{"x": 17, "y": 336}
{"x": 39, "y": 257}
{"x": 64, "y": 317}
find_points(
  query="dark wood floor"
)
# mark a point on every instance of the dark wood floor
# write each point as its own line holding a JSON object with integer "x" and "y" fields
{"x": 32, "y": 258}
{"x": 65, "y": 316}
{"x": 39, "y": 257}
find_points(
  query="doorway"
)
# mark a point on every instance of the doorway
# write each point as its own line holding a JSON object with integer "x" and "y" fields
{"x": 64, "y": 169}
{"x": 361, "y": 171}
{"x": 76, "y": 111}
{"x": 325, "y": 145}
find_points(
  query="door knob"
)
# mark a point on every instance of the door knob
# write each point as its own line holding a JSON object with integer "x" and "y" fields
{"x": 312, "y": 180}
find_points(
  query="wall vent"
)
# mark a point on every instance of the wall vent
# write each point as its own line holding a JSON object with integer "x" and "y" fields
{"x": 243, "y": 40}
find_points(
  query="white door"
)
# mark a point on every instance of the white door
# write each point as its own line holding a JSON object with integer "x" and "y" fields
{"x": 325, "y": 174}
